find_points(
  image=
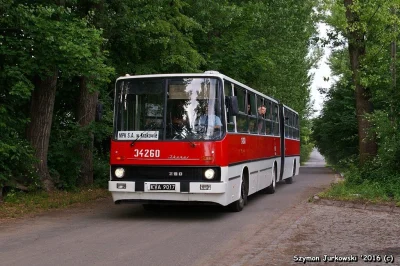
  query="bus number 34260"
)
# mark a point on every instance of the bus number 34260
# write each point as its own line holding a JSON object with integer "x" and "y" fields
{"x": 146, "y": 153}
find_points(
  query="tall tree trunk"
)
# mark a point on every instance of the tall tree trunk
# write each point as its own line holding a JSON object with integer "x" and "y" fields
{"x": 86, "y": 115}
{"x": 356, "y": 38}
{"x": 41, "y": 116}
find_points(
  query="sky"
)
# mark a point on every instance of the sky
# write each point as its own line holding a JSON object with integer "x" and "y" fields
{"x": 320, "y": 72}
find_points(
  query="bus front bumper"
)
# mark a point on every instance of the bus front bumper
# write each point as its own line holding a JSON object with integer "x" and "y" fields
{"x": 124, "y": 191}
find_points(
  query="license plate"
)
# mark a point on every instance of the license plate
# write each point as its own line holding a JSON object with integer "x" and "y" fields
{"x": 167, "y": 187}
{"x": 205, "y": 187}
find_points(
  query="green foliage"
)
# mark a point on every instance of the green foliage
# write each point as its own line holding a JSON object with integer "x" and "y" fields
{"x": 385, "y": 167}
{"x": 63, "y": 152}
{"x": 66, "y": 137}
{"x": 146, "y": 38}
{"x": 264, "y": 45}
{"x": 335, "y": 130}
{"x": 101, "y": 170}
{"x": 377, "y": 22}
{"x": 16, "y": 155}
{"x": 16, "y": 159}
{"x": 369, "y": 183}
{"x": 102, "y": 132}
{"x": 367, "y": 191}
{"x": 306, "y": 143}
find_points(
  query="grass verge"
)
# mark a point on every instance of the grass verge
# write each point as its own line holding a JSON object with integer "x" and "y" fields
{"x": 20, "y": 204}
{"x": 366, "y": 192}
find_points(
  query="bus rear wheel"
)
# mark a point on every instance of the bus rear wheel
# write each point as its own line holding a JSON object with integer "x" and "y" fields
{"x": 238, "y": 205}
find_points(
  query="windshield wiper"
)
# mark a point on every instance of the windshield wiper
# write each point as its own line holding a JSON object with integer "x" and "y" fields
{"x": 185, "y": 134}
{"x": 152, "y": 126}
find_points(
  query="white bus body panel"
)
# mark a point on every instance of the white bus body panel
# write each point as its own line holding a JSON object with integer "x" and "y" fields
{"x": 289, "y": 165}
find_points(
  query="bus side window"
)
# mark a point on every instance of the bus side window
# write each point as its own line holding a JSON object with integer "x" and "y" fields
{"x": 228, "y": 90}
{"x": 286, "y": 114}
{"x": 268, "y": 115}
{"x": 241, "y": 118}
{"x": 292, "y": 125}
{"x": 251, "y": 105}
{"x": 275, "y": 119}
{"x": 260, "y": 116}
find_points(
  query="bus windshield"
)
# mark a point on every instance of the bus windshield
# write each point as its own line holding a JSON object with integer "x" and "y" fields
{"x": 168, "y": 109}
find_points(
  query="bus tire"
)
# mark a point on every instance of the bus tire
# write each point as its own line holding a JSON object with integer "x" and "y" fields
{"x": 271, "y": 188}
{"x": 238, "y": 205}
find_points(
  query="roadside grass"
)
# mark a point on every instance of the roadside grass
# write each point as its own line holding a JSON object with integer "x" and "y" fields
{"x": 366, "y": 192}
{"x": 19, "y": 204}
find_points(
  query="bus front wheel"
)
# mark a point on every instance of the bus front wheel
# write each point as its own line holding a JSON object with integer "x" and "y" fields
{"x": 238, "y": 205}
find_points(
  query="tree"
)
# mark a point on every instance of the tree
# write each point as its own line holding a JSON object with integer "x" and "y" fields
{"x": 16, "y": 155}
{"x": 356, "y": 46}
{"x": 62, "y": 45}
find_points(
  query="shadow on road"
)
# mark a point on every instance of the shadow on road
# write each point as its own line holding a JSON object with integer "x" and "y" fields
{"x": 182, "y": 213}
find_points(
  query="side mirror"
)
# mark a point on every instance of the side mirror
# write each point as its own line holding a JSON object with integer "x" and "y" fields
{"x": 231, "y": 103}
{"x": 99, "y": 112}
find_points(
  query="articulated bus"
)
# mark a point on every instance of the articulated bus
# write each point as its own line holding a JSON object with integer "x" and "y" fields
{"x": 198, "y": 138}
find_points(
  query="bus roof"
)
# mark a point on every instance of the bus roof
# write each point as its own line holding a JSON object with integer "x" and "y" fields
{"x": 210, "y": 73}
{"x": 287, "y": 107}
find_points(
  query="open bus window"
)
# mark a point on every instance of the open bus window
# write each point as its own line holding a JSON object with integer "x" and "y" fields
{"x": 252, "y": 113}
{"x": 228, "y": 89}
{"x": 242, "y": 124}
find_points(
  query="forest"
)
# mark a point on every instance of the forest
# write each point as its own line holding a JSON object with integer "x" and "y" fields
{"x": 361, "y": 111}
{"x": 59, "y": 60}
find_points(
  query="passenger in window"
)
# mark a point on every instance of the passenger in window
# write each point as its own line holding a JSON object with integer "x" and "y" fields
{"x": 261, "y": 123}
{"x": 261, "y": 111}
{"x": 249, "y": 109}
{"x": 207, "y": 120}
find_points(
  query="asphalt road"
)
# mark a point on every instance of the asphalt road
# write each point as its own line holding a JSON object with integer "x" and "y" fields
{"x": 108, "y": 234}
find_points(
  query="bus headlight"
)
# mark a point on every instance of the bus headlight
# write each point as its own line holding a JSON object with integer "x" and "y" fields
{"x": 119, "y": 172}
{"x": 209, "y": 174}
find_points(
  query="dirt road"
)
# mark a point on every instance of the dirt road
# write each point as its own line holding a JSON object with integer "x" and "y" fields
{"x": 310, "y": 232}
{"x": 319, "y": 234}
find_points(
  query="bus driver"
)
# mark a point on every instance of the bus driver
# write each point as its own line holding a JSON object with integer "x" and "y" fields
{"x": 211, "y": 120}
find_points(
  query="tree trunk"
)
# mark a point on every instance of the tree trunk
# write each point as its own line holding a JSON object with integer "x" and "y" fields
{"x": 86, "y": 115}
{"x": 356, "y": 39}
{"x": 41, "y": 115}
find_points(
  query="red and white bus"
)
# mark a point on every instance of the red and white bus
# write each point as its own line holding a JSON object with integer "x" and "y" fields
{"x": 198, "y": 138}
